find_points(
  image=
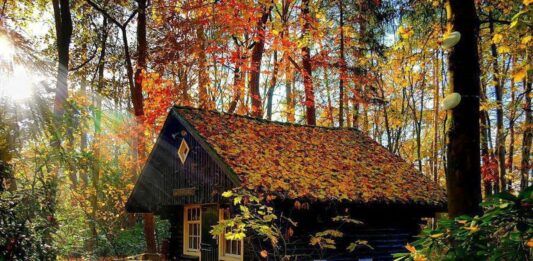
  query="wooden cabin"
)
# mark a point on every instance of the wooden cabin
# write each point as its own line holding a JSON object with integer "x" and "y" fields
{"x": 199, "y": 154}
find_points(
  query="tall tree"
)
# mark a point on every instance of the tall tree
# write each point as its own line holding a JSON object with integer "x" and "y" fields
{"x": 63, "y": 26}
{"x": 255, "y": 63}
{"x": 307, "y": 70}
{"x": 271, "y": 88}
{"x": 342, "y": 64}
{"x": 137, "y": 98}
{"x": 525, "y": 166}
{"x": 463, "y": 179}
{"x": 498, "y": 90}
{"x": 203, "y": 76}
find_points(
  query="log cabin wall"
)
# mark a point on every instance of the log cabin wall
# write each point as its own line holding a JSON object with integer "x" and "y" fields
{"x": 164, "y": 172}
{"x": 385, "y": 230}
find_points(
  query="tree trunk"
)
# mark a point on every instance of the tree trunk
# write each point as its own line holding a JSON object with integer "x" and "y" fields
{"x": 183, "y": 85}
{"x": 435, "y": 145}
{"x": 355, "y": 114}
{"x": 329, "y": 99}
{"x": 509, "y": 163}
{"x": 310, "y": 111}
{"x": 202, "y": 69}
{"x": 237, "y": 82}
{"x": 525, "y": 166}
{"x": 290, "y": 78}
{"x": 485, "y": 137}
{"x": 129, "y": 69}
{"x": 255, "y": 65}
{"x": 95, "y": 177}
{"x": 273, "y": 82}
{"x": 142, "y": 55}
{"x": 63, "y": 24}
{"x": 342, "y": 64}
{"x": 463, "y": 170}
{"x": 84, "y": 141}
{"x": 498, "y": 89}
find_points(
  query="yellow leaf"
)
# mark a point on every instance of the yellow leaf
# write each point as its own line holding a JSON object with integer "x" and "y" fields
{"x": 411, "y": 248}
{"x": 437, "y": 235}
{"x": 526, "y": 39}
{"x": 519, "y": 75}
{"x": 527, "y": 2}
{"x": 497, "y": 38}
{"x": 504, "y": 49}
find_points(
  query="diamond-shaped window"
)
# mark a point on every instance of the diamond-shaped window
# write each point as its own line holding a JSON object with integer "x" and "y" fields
{"x": 183, "y": 151}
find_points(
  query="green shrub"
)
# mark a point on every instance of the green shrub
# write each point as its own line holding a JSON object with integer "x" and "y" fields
{"x": 503, "y": 232}
{"x": 24, "y": 227}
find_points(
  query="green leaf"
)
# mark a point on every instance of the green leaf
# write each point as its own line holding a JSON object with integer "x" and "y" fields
{"x": 506, "y": 196}
{"x": 227, "y": 194}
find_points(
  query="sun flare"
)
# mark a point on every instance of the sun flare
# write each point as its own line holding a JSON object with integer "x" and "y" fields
{"x": 16, "y": 80}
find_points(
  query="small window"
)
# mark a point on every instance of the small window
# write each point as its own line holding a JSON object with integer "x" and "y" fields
{"x": 183, "y": 151}
{"x": 192, "y": 230}
{"x": 229, "y": 249}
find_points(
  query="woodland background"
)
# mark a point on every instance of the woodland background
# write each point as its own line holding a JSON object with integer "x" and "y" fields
{"x": 104, "y": 73}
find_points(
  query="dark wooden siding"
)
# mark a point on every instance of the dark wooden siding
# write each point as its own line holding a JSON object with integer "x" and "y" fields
{"x": 164, "y": 172}
{"x": 175, "y": 217}
{"x": 387, "y": 231}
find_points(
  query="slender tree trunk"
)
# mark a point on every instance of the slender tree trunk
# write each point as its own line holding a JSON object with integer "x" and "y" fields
{"x": 330, "y": 102}
{"x": 388, "y": 130}
{"x": 525, "y": 166}
{"x": 255, "y": 65}
{"x": 138, "y": 107}
{"x": 310, "y": 111}
{"x": 83, "y": 136}
{"x": 95, "y": 177}
{"x": 366, "y": 127}
{"x": 498, "y": 89}
{"x": 273, "y": 83}
{"x": 184, "y": 86}
{"x": 485, "y": 136}
{"x": 237, "y": 82}
{"x": 512, "y": 116}
{"x": 202, "y": 69}
{"x": 342, "y": 64}
{"x": 63, "y": 24}
{"x": 436, "y": 119}
{"x": 485, "y": 151}
{"x": 290, "y": 78}
{"x": 463, "y": 170}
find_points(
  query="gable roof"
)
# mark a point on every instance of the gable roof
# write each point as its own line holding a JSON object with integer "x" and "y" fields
{"x": 302, "y": 161}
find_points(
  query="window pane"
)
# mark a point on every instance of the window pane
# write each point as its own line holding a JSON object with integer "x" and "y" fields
{"x": 228, "y": 247}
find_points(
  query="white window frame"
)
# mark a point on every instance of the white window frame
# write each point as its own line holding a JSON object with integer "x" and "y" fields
{"x": 222, "y": 255}
{"x": 186, "y": 222}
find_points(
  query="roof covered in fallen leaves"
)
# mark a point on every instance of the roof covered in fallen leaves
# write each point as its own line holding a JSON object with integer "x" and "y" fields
{"x": 311, "y": 162}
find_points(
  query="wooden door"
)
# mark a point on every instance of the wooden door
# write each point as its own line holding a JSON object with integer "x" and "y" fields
{"x": 209, "y": 246}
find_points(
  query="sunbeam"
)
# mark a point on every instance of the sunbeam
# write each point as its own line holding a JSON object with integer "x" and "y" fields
{"x": 16, "y": 80}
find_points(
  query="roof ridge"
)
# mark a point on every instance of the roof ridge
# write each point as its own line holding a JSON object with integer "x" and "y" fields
{"x": 267, "y": 121}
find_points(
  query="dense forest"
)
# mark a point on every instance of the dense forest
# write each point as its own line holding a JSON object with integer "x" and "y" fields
{"x": 85, "y": 86}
